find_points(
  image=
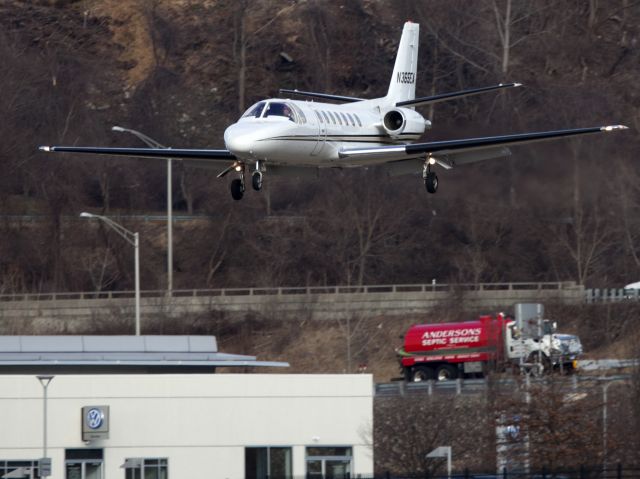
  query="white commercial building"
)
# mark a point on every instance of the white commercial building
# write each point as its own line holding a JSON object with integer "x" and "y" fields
{"x": 175, "y": 426}
{"x": 190, "y": 426}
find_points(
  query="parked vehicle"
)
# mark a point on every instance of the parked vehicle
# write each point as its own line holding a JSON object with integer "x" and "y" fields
{"x": 444, "y": 351}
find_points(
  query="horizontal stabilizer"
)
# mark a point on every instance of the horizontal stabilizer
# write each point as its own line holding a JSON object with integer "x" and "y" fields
{"x": 426, "y": 100}
{"x": 323, "y": 96}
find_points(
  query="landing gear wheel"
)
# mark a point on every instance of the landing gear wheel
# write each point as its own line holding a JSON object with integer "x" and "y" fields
{"x": 256, "y": 180}
{"x": 431, "y": 182}
{"x": 237, "y": 189}
{"x": 422, "y": 373}
{"x": 445, "y": 372}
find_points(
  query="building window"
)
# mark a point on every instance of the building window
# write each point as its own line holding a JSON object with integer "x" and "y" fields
{"x": 19, "y": 469}
{"x": 334, "y": 462}
{"x": 144, "y": 468}
{"x": 267, "y": 462}
{"x": 83, "y": 463}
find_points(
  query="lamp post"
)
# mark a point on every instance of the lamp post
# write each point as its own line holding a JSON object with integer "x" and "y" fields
{"x": 442, "y": 451}
{"x": 44, "y": 382}
{"x": 151, "y": 143}
{"x": 132, "y": 239}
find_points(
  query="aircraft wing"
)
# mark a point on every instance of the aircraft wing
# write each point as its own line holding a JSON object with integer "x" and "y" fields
{"x": 449, "y": 153}
{"x": 218, "y": 156}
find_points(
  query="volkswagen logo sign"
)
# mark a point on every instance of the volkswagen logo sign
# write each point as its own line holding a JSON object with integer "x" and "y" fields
{"x": 95, "y": 418}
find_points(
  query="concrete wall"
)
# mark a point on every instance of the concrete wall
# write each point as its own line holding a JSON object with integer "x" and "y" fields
{"x": 201, "y": 423}
{"x": 315, "y": 303}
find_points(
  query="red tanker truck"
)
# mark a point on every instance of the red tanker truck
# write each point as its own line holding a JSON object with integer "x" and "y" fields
{"x": 451, "y": 350}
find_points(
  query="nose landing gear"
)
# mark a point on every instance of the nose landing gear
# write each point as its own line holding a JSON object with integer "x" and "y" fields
{"x": 238, "y": 185}
{"x": 256, "y": 177}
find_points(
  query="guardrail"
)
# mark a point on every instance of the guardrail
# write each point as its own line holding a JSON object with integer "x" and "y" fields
{"x": 611, "y": 295}
{"x": 481, "y": 386}
{"x": 310, "y": 290}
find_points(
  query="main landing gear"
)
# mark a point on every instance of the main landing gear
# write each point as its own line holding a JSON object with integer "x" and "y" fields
{"x": 429, "y": 177}
{"x": 237, "y": 188}
{"x": 238, "y": 185}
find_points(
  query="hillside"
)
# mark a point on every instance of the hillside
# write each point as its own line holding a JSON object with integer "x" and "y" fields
{"x": 181, "y": 71}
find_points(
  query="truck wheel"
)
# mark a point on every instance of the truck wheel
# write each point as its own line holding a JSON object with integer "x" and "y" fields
{"x": 541, "y": 363}
{"x": 445, "y": 372}
{"x": 422, "y": 373}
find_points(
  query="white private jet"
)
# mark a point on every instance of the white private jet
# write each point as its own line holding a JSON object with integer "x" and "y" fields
{"x": 284, "y": 136}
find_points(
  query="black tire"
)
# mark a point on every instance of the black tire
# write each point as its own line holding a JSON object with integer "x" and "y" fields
{"x": 237, "y": 189}
{"x": 535, "y": 359}
{"x": 446, "y": 372}
{"x": 431, "y": 182}
{"x": 422, "y": 373}
{"x": 256, "y": 180}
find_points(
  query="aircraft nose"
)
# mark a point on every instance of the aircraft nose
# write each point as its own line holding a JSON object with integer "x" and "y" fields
{"x": 239, "y": 140}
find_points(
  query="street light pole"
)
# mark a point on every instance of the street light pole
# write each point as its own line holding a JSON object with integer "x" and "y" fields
{"x": 150, "y": 142}
{"x": 136, "y": 247}
{"x": 133, "y": 239}
{"x": 44, "y": 382}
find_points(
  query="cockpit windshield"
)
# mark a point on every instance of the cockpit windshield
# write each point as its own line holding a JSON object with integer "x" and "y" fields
{"x": 255, "y": 111}
{"x": 279, "y": 109}
{"x": 264, "y": 109}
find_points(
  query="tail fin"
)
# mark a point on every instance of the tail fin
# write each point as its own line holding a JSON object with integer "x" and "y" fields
{"x": 403, "y": 80}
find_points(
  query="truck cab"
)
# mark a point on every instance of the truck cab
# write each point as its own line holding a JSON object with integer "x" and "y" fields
{"x": 540, "y": 348}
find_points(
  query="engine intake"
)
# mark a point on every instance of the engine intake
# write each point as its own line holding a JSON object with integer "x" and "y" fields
{"x": 394, "y": 122}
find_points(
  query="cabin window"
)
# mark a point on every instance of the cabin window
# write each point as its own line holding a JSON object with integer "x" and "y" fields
{"x": 255, "y": 111}
{"x": 338, "y": 117}
{"x": 353, "y": 123}
{"x": 279, "y": 109}
{"x": 358, "y": 119}
{"x": 318, "y": 115}
{"x": 333, "y": 119}
{"x": 325, "y": 117}
{"x": 346, "y": 122}
{"x": 300, "y": 114}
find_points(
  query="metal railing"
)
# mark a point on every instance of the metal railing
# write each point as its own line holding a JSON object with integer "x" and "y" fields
{"x": 611, "y": 295}
{"x": 599, "y": 471}
{"x": 480, "y": 386}
{"x": 309, "y": 290}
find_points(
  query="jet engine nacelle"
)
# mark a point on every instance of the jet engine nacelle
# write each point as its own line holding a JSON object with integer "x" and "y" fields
{"x": 405, "y": 123}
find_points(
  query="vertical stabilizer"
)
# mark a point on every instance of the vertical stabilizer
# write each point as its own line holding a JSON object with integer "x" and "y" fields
{"x": 403, "y": 80}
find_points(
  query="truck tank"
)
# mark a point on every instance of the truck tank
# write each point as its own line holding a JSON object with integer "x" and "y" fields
{"x": 435, "y": 350}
